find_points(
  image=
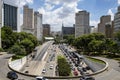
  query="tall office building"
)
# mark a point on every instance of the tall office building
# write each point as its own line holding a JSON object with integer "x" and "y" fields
{"x": 82, "y": 23}
{"x": 46, "y": 30}
{"x": 28, "y": 19}
{"x": 10, "y": 14}
{"x": 109, "y": 28}
{"x": 117, "y": 20}
{"x": 38, "y": 29}
{"x": 68, "y": 30}
{"x": 103, "y": 20}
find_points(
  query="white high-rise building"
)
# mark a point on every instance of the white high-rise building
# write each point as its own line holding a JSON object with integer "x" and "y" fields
{"x": 38, "y": 29}
{"x": 82, "y": 23}
{"x": 117, "y": 20}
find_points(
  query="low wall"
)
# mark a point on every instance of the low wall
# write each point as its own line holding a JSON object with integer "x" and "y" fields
{"x": 17, "y": 64}
{"x": 95, "y": 66}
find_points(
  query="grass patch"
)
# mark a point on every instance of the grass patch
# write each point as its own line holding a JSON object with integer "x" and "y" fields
{"x": 95, "y": 60}
{"x": 118, "y": 59}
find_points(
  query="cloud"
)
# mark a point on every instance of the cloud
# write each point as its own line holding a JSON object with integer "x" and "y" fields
{"x": 64, "y": 13}
{"x": 111, "y": 13}
{"x": 19, "y": 3}
{"x": 48, "y": 6}
{"x": 118, "y": 1}
{"x": 94, "y": 23}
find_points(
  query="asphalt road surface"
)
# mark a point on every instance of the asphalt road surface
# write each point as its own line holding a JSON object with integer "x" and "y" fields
{"x": 4, "y": 69}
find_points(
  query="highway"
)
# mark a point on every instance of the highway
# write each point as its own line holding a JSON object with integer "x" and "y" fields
{"x": 42, "y": 50}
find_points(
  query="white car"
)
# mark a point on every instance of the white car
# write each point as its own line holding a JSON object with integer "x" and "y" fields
{"x": 41, "y": 78}
{"x": 44, "y": 70}
{"x": 51, "y": 66}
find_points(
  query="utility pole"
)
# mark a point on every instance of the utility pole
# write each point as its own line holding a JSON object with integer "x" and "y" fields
{"x": 1, "y": 5}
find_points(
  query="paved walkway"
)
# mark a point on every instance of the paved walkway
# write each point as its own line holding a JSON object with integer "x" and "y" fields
{"x": 113, "y": 72}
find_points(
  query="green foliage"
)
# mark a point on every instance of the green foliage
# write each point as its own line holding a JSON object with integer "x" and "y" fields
{"x": 1, "y": 49}
{"x": 117, "y": 35}
{"x": 63, "y": 67}
{"x": 16, "y": 49}
{"x": 28, "y": 45}
{"x": 10, "y": 38}
{"x": 69, "y": 39}
{"x": 6, "y": 35}
{"x": 96, "y": 46}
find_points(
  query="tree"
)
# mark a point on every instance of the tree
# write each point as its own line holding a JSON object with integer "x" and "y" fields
{"x": 63, "y": 67}
{"x": 70, "y": 39}
{"x": 96, "y": 46}
{"x": 7, "y": 37}
{"x": 16, "y": 49}
{"x": 28, "y": 45}
{"x": 117, "y": 35}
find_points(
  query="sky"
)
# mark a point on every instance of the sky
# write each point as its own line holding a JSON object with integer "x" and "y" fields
{"x": 56, "y": 12}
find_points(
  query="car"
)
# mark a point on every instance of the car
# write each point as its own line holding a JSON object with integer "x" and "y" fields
{"x": 41, "y": 78}
{"x": 79, "y": 68}
{"x": 87, "y": 78}
{"x": 75, "y": 73}
{"x": 12, "y": 75}
{"x": 44, "y": 70}
{"x": 84, "y": 69}
{"x": 51, "y": 66}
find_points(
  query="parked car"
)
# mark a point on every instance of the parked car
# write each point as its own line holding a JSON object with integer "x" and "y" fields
{"x": 41, "y": 78}
{"x": 87, "y": 78}
{"x": 12, "y": 75}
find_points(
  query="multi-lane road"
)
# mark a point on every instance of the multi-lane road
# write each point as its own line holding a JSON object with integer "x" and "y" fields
{"x": 48, "y": 52}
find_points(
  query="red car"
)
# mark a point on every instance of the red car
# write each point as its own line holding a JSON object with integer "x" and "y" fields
{"x": 75, "y": 73}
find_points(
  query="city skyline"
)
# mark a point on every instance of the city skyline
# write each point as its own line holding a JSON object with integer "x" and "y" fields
{"x": 57, "y": 11}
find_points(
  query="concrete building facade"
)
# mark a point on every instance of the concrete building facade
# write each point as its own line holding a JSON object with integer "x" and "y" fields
{"x": 68, "y": 31}
{"x": 109, "y": 28}
{"x": 9, "y": 15}
{"x": 117, "y": 20}
{"x": 82, "y": 23}
{"x": 103, "y": 20}
{"x": 46, "y": 30}
{"x": 28, "y": 19}
{"x": 38, "y": 29}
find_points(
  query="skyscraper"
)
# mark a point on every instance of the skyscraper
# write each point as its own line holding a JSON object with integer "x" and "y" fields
{"x": 38, "y": 29}
{"x": 46, "y": 30}
{"x": 117, "y": 20}
{"x": 103, "y": 20}
{"x": 28, "y": 19}
{"x": 10, "y": 15}
{"x": 81, "y": 23}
